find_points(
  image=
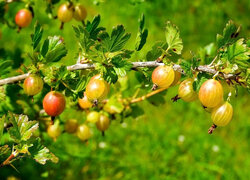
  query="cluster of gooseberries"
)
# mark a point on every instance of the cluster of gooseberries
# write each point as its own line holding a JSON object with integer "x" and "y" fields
{"x": 210, "y": 94}
{"x": 54, "y": 104}
{"x": 67, "y": 11}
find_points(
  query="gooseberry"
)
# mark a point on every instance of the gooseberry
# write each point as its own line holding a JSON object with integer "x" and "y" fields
{"x": 177, "y": 77}
{"x": 103, "y": 123}
{"x": 93, "y": 117}
{"x": 162, "y": 77}
{"x": 54, "y": 130}
{"x": 222, "y": 114}
{"x": 54, "y": 103}
{"x": 211, "y": 93}
{"x": 23, "y": 18}
{"x": 83, "y": 132}
{"x": 71, "y": 125}
{"x": 84, "y": 103}
{"x": 96, "y": 90}
{"x": 186, "y": 91}
{"x": 65, "y": 13}
{"x": 80, "y": 12}
{"x": 33, "y": 84}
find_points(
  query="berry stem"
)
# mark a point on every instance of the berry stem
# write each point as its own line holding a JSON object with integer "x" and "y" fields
{"x": 147, "y": 95}
{"x": 211, "y": 129}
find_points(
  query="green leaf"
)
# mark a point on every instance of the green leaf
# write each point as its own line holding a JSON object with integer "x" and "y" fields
{"x": 5, "y": 66}
{"x": 116, "y": 41}
{"x": 121, "y": 66}
{"x": 37, "y": 36}
{"x": 142, "y": 35}
{"x": 4, "y": 150}
{"x": 2, "y": 119}
{"x": 173, "y": 38}
{"x": 201, "y": 78}
{"x": 53, "y": 49}
{"x": 230, "y": 33}
{"x": 22, "y": 128}
{"x": 114, "y": 105}
{"x": 238, "y": 51}
{"x": 156, "y": 51}
{"x": 81, "y": 84}
{"x": 93, "y": 28}
{"x": 41, "y": 154}
{"x": 187, "y": 67}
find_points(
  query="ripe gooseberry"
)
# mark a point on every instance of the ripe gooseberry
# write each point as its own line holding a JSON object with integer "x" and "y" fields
{"x": 103, "y": 123}
{"x": 33, "y": 85}
{"x": 54, "y": 130}
{"x": 65, "y": 12}
{"x": 96, "y": 90}
{"x": 222, "y": 114}
{"x": 80, "y": 12}
{"x": 177, "y": 77}
{"x": 83, "y": 132}
{"x": 23, "y": 18}
{"x": 84, "y": 103}
{"x": 54, "y": 103}
{"x": 98, "y": 76}
{"x": 71, "y": 125}
{"x": 93, "y": 117}
{"x": 162, "y": 77}
{"x": 211, "y": 93}
{"x": 186, "y": 91}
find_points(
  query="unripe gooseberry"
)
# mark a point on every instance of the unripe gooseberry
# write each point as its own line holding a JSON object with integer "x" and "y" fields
{"x": 23, "y": 18}
{"x": 54, "y": 103}
{"x": 177, "y": 77}
{"x": 93, "y": 116}
{"x": 84, "y": 103}
{"x": 222, "y": 114}
{"x": 71, "y": 125}
{"x": 80, "y": 13}
{"x": 83, "y": 132}
{"x": 186, "y": 91}
{"x": 211, "y": 93}
{"x": 163, "y": 77}
{"x": 54, "y": 130}
{"x": 98, "y": 76}
{"x": 33, "y": 85}
{"x": 96, "y": 90}
{"x": 65, "y": 13}
{"x": 103, "y": 123}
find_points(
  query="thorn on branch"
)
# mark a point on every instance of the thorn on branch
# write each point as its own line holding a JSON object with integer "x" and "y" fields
{"x": 211, "y": 129}
{"x": 176, "y": 98}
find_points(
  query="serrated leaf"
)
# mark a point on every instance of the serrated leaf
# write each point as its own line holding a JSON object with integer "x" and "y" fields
{"x": 41, "y": 154}
{"x": 116, "y": 41}
{"x": 81, "y": 84}
{"x": 173, "y": 38}
{"x": 156, "y": 51}
{"x": 230, "y": 33}
{"x": 238, "y": 51}
{"x": 186, "y": 66}
{"x": 22, "y": 128}
{"x": 142, "y": 35}
{"x": 53, "y": 49}
{"x": 37, "y": 36}
{"x": 120, "y": 65}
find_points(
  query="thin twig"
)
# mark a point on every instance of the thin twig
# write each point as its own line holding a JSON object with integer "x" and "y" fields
{"x": 147, "y": 95}
{"x": 78, "y": 66}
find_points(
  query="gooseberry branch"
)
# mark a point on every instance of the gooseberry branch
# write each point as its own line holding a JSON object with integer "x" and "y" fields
{"x": 176, "y": 67}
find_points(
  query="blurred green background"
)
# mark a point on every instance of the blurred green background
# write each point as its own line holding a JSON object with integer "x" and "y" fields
{"x": 169, "y": 140}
